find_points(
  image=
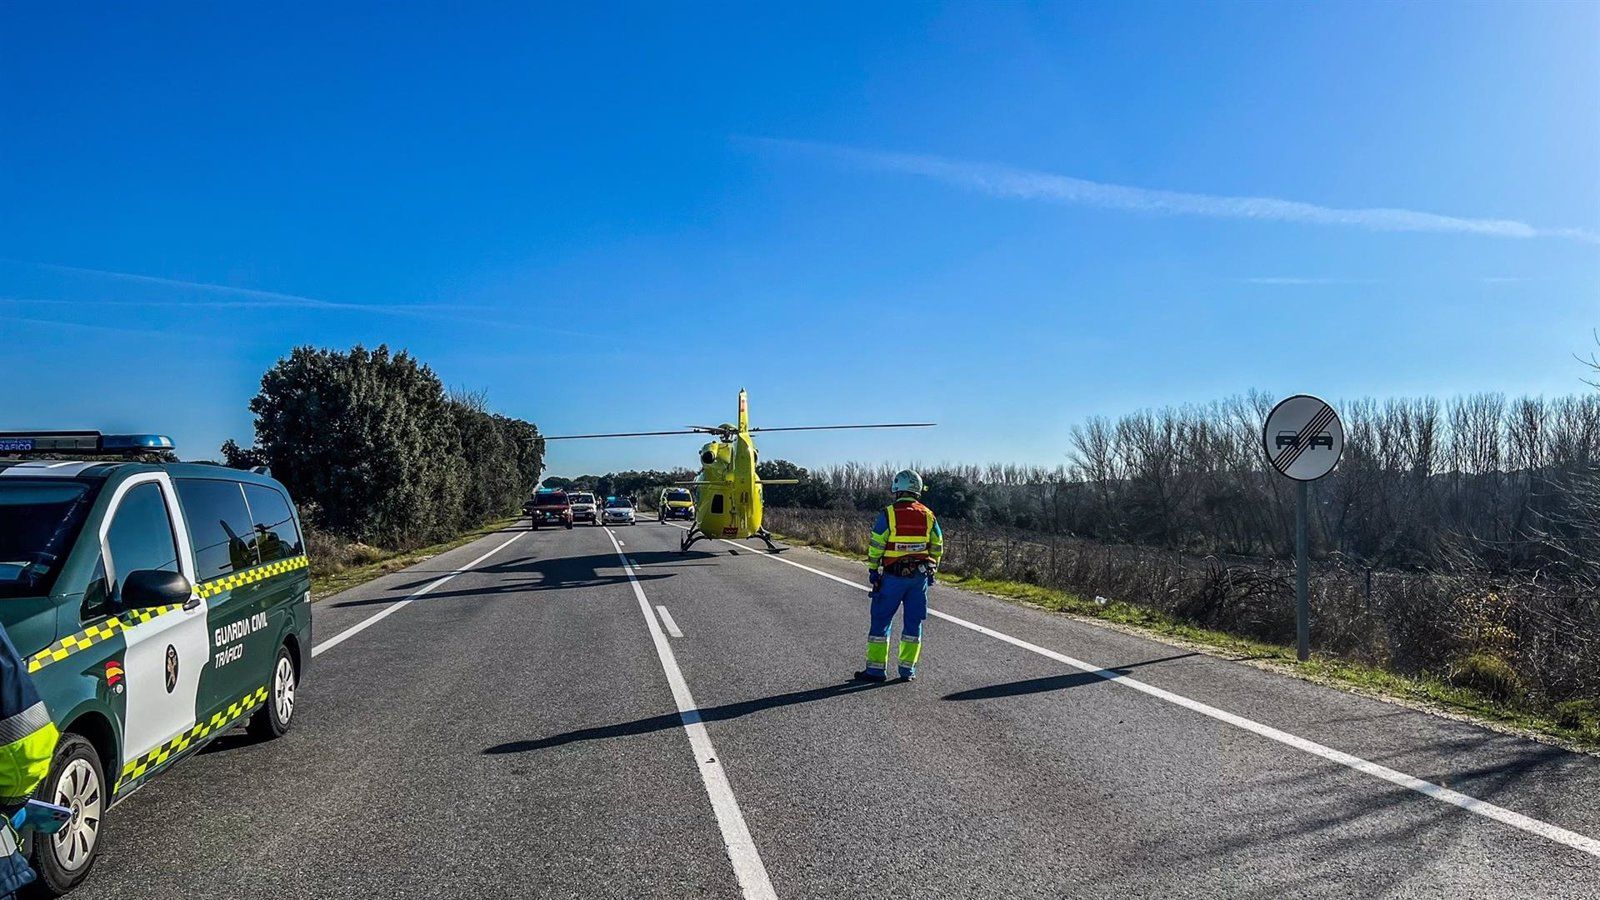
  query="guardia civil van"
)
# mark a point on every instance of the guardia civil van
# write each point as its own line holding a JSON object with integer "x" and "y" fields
{"x": 158, "y": 605}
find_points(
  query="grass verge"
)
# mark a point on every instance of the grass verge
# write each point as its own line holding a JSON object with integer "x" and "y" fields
{"x": 1570, "y": 725}
{"x": 327, "y": 580}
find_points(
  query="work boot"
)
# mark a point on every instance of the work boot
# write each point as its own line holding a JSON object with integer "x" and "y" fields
{"x": 871, "y": 675}
{"x": 908, "y": 674}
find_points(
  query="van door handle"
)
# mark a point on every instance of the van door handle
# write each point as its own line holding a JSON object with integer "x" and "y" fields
{"x": 192, "y": 604}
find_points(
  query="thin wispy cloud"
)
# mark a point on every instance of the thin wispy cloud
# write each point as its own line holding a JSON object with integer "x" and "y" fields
{"x": 174, "y": 293}
{"x": 224, "y": 296}
{"x": 1282, "y": 280}
{"x": 84, "y": 326}
{"x": 1275, "y": 280}
{"x": 1023, "y": 184}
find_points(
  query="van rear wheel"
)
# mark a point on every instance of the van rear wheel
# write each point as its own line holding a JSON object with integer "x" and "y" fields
{"x": 77, "y": 782}
{"x": 275, "y": 717}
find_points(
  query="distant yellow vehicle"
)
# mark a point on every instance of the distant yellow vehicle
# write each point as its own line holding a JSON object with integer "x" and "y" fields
{"x": 727, "y": 502}
{"x": 675, "y": 503}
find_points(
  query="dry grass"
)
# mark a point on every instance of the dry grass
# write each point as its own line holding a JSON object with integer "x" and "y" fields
{"x": 338, "y": 564}
{"x": 1494, "y": 651}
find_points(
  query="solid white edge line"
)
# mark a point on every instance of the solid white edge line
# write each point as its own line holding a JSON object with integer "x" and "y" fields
{"x": 666, "y": 620}
{"x": 747, "y": 865}
{"x": 398, "y": 605}
{"x": 1537, "y": 827}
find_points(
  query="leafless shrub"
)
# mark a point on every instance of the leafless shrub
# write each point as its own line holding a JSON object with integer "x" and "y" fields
{"x": 1546, "y": 633}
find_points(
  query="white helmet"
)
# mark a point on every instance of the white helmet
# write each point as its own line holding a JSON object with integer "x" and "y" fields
{"x": 907, "y": 482}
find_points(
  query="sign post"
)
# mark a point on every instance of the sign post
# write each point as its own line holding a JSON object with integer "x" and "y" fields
{"x": 1303, "y": 439}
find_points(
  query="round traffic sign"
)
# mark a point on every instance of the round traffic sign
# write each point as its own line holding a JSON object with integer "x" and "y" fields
{"x": 1303, "y": 437}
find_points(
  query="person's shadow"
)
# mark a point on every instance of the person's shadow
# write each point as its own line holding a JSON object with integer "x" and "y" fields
{"x": 674, "y": 720}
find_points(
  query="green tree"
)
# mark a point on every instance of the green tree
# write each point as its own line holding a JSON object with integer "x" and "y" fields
{"x": 948, "y": 494}
{"x": 372, "y": 440}
{"x": 811, "y": 492}
{"x": 236, "y": 457}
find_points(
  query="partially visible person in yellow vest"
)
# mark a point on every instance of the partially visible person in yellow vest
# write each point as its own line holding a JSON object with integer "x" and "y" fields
{"x": 902, "y": 557}
{"x": 28, "y": 740}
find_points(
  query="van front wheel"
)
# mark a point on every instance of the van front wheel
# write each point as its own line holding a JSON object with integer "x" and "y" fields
{"x": 274, "y": 718}
{"x": 77, "y": 782}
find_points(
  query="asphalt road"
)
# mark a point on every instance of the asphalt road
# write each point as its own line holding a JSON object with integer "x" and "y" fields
{"x": 515, "y": 732}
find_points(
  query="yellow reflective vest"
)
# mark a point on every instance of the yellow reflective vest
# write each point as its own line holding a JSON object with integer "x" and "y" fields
{"x": 28, "y": 735}
{"x": 907, "y": 530}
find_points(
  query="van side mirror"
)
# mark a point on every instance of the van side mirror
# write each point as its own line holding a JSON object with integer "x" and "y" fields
{"x": 151, "y": 587}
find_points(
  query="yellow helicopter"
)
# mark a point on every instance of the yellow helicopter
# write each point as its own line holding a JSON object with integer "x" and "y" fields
{"x": 727, "y": 500}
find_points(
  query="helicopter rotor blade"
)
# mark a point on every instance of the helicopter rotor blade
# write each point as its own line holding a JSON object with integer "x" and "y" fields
{"x": 575, "y": 437}
{"x": 843, "y": 427}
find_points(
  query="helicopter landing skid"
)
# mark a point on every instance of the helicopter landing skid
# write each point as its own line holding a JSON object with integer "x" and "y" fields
{"x": 688, "y": 539}
{"x": 766, "y": 536}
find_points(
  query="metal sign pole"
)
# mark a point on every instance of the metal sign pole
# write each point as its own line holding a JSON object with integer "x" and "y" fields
{"x": 1303, "y": 440}
{"x": 1302, "y": 577}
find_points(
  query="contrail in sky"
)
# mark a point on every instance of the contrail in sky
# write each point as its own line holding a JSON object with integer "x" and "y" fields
{"x": 227, "y": 296}
{"x": 1023, "y": 184}
{"x": 204, "y": 295}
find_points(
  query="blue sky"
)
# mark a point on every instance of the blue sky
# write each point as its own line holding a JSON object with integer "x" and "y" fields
{"x": 1000, "y": 217}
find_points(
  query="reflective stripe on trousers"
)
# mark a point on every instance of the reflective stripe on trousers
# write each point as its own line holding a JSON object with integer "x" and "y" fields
{"x": 895, "y": 592}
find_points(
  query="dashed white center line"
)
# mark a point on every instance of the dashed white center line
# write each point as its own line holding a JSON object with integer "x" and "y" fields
{"x": 747, "y": 865}
{"x": 666, "y": 619}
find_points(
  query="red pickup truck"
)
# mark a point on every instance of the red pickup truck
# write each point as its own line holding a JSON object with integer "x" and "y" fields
{"x": 548, "y": 508}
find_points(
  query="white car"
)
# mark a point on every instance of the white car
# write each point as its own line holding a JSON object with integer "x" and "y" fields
{"x": 618, "y": 511}
{"x": 584, "y": 507}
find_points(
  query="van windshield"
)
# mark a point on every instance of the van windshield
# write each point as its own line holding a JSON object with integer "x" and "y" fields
{"x": 678, "y": 494}
{"x": 39, "y": 520}
{"x": 582, "y": 498}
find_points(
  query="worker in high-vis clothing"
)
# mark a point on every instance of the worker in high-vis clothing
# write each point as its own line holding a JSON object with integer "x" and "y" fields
{"x": 902, "y": 557}
{"x": 28, "y": 740}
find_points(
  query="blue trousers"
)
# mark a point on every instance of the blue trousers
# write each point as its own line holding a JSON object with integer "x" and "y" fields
{"x": 893, "y": 593}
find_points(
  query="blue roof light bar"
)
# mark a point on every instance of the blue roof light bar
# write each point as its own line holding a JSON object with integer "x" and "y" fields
{"x": 135, "y": 443}
{"x": 67, "y": 442}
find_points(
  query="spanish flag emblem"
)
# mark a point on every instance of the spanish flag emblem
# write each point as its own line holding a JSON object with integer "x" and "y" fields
{"x": 114, "y": 673}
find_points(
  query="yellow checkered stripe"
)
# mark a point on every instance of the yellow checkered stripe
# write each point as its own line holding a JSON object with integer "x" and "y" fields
{"x": 208, "y": 589}
{"x": 220, "y": 721}
{"x": 94, "y": 634}
{"x": 110, "y": 628}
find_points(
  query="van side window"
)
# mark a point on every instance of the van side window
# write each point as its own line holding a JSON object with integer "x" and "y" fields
{"x": 97, "y": 597}
{"x": 220, "y": 529}
{"x": 140, "y": 536}
{"x": 273, "y": 520}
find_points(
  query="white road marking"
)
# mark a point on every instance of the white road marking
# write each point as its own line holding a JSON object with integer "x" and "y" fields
{"x": 747, "y": 865}
{"x": 666, "y": 619}
{"x": 364, "y": 624}
{"x": 1563, "y": 836}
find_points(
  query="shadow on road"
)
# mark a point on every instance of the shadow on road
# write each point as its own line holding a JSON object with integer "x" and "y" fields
{"x": 673, "y": 720}
{"x": 553, "y": 573}
{"x": 1053, "y": 682}
{"x": 1376, "y": 828}
{"x": 235, "y": 739}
